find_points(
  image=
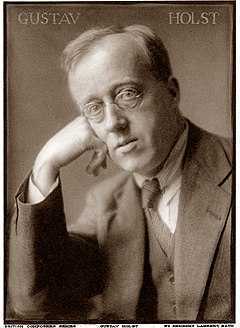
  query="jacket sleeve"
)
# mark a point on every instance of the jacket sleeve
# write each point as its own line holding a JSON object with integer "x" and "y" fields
{"x": 51, "y": 273}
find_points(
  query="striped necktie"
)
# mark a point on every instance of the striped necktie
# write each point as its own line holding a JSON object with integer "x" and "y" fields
{"x": 150, "y": 191}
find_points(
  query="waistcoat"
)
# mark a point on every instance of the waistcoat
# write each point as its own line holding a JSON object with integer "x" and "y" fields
{"x": 162, "y": 271}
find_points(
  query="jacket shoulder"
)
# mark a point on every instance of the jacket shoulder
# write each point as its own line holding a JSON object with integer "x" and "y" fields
{"x": 209, "y": 146}
{"x": 210, "y": 152}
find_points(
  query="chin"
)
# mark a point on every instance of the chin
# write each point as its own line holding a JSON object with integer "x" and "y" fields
{"x": 133, "y": 166}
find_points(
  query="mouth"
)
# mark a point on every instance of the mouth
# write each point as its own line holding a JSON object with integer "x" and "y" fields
{"x": 126, "y": 146}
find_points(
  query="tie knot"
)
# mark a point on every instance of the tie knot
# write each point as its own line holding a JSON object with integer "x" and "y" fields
{"x": 150, "y": 190}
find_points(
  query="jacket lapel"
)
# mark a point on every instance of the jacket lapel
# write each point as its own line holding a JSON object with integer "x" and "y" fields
{"x": 201, "y": 219}
{"x": 124, "y": 251}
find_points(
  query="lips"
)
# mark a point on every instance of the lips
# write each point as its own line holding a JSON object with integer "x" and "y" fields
{"x": 126, "y": 146}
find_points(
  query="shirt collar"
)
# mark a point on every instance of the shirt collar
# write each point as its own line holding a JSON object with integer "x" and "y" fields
{"x": 172, "y": 168}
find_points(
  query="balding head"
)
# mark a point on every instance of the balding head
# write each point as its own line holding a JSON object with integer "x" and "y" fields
{"x": 150, "y": 48}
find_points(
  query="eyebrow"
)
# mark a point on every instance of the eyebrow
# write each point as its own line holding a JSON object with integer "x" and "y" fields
{"x": 114, "y": 89}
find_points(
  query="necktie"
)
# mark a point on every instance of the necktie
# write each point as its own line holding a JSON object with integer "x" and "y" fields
{"x": 150, "y": 190}
{"x": 147, "y": 305}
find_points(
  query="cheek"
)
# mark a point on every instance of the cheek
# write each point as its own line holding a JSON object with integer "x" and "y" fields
{"x": 99, "y": 131}
{"x": 154, "y": 135}
{"x": 146, "y": 127}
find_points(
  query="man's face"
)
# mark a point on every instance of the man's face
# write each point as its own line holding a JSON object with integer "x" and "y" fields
{"x": 140, "y": 138}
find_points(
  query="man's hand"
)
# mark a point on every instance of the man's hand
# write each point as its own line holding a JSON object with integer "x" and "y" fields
{"x": 67, "y": 145}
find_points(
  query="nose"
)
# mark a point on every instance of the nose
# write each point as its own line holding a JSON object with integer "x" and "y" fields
{"x": 114, "y": 118}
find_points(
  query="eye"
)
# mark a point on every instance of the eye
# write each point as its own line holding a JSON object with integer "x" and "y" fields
{"x": 92, "y": 110}
{"x": 128, "y": 98}
{"x": 127, "y": 94}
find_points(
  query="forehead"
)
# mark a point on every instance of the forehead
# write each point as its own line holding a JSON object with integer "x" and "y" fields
{"x": 111, "y": 51}
{"x": 111, "y": 61}
{"x": 114, "y": 48}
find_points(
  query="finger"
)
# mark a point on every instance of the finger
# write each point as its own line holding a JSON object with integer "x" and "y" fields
{"x": 96, "y": 161}
{"x": 95, "y": 172}
{"x": 104, "y": 163}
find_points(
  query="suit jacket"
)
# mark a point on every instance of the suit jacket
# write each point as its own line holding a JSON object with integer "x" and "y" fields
{"x": 52, "y": 272}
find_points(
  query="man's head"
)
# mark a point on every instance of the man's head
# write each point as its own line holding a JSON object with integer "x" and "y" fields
{"x": 121, "y": 81}
{"x": 151, "y": 48}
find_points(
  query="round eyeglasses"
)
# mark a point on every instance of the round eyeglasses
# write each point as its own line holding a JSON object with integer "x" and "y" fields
{"x": 126, "y": 99}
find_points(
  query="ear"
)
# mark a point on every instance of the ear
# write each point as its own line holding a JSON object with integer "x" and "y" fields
{"x": 173, "y": 88}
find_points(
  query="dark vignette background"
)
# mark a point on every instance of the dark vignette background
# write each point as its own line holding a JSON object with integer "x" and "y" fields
{"x": 38, "y": 102}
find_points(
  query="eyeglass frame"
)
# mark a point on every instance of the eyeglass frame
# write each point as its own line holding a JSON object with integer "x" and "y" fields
{"x": 103, "y": 105}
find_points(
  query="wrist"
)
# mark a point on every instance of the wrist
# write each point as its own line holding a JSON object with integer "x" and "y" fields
{"x": 44, "y": 175}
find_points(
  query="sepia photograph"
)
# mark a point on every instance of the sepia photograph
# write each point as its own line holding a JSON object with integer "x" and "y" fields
{"x": 119, "y": 159}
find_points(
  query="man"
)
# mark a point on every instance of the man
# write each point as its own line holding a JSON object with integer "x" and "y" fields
{"x": 152, "y": 244}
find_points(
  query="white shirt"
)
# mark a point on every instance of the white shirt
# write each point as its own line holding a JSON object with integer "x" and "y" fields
{"x": 170, "y": 179}
{"x": 34, "y": 195}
